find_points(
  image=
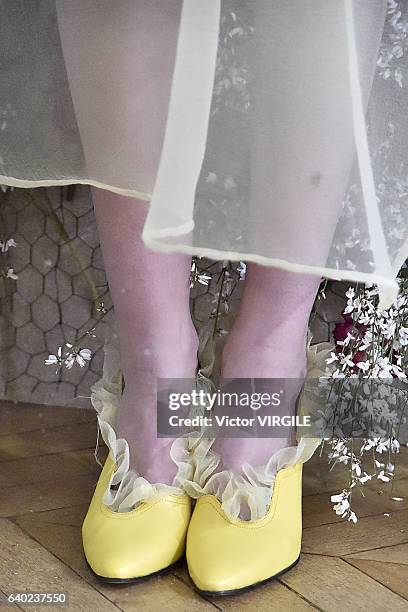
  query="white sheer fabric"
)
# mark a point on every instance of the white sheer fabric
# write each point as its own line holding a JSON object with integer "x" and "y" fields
{"x": 265, "y": 156}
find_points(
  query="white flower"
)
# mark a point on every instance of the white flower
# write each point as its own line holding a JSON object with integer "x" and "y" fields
{"x": 11, "y": 274}
{"x": 5, "y": 245}
{"x": 229, "y": 183}
{"x": 382, "y": 446}
{"x": 351, "y": 306}
{"x": 198, "y": 276}
{"x": 356, "y": 467}
{"x": 352, "y": 517}
{"x": 364, "y": 365}
{"x": 341, "y": 502}
{"x": 82, "y": 356}
{"x": 369, "y": 444}
{"x": 399, "y": 372}
{"x": 51, "y": 360}
{"x": 347, "y": 360}
{"x": 403, "y": 336}
{"x": 333, "y": 357}
{"x": 55, "y": 359}
{"x": 211, "y": 178}
{"x": 241, "y": 269}
{"x": 69, "y": 360}
{"x": 347, "y": 339}
{"x": 395, "y": 446}
{"x": 366, "y": 319}
{"x": 388, "y": 329}
{"x": 203, "y": 279}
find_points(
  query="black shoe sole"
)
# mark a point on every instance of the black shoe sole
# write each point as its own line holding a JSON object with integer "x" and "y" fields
{"x": 243, "y": 590}
{"x": 136, "y": 579}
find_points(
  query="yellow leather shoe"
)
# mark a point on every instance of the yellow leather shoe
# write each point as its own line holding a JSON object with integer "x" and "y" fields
{"x": 227, "y": 556}
{"x": 129, "y": 546}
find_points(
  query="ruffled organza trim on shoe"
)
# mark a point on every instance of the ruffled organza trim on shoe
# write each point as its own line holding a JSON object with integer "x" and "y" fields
{"x": 127, "y": 488}
{"x": 248, "y": 495}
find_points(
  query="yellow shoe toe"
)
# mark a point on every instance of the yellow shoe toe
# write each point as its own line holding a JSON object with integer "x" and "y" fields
{"x": 225, "y": 556}
{"x": 133, "y": 545}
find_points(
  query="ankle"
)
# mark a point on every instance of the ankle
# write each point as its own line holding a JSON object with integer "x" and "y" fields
{"x": 246, "y": 359}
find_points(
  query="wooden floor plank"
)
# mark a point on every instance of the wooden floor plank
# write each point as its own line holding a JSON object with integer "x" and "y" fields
{"x": 25, "y": 565}
{"x": 317, "y": 479}
{"x": 388, "y": 554}
{"x": 59, "y": 466}
{"x": 346, "y": 538}
{"x": 166, "y": 592}
{"x": 16, "y": 501}
{"x": 318, "y": 509}
{"x": 16, "y": 418}
{"x": 72, "y": 516}
{"x": 48, "y": 441}
{"x": 331, "y": 584}
{"x": 273, "y": 597}
{"x": 391, "y": 575}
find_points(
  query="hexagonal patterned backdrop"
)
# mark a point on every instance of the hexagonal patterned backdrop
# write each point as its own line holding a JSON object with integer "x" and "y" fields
{"x": 59, "y": 266}
{"x": 60, "y": 271}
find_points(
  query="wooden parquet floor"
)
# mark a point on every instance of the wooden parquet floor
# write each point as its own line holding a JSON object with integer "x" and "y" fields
{"x": 47, "y": 475}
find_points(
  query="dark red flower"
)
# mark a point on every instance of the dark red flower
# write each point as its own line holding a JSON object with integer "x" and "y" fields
{"x": 342, "y": 329}
{"x": 359, "y": 356}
